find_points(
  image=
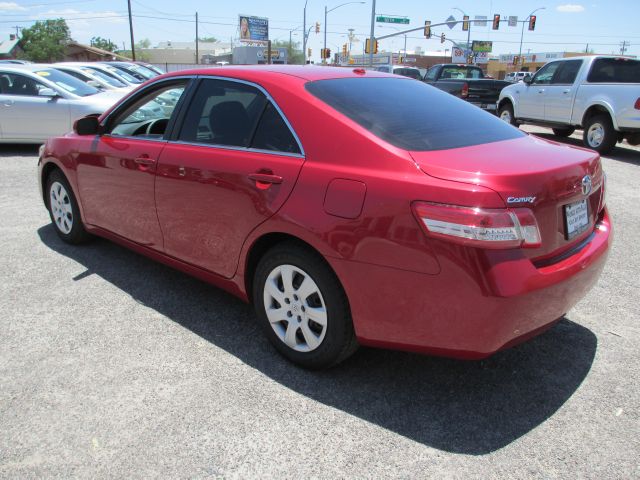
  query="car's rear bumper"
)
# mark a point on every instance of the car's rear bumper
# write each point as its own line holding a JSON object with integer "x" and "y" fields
{"x": 481, "y": 302}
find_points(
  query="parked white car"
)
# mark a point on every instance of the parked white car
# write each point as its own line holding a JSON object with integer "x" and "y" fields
{"x": 599, "y": 94}
{"x": 95, "y": 78}
{"x": 516, "y": 76}
{"x": 38, "y": 102}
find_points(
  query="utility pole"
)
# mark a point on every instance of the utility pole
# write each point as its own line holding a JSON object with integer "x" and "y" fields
{"x": 623, "y": 46}
{"x": 133, "y": 48}
{"x": 197, "y": 53}
{"x": 371, "y": 35}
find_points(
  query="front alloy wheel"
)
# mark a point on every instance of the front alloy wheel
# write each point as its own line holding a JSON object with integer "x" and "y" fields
{"x": 63, "y": 209}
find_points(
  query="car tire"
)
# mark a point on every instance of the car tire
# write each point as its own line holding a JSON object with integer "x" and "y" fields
{"x": 294, "y": 293}
{"x": 505, "y": 113}
{"x": 599, "y": 134}
{"x": 563, "y": 132}
{"x": 63, "y": 209}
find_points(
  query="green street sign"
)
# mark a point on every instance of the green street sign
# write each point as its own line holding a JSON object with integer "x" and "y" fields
{"x": 385, "y": 19}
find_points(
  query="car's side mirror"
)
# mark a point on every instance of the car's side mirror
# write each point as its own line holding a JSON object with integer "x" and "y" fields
{"x": 527, "y": 79}
{"x": 48, "y": 92}
{"x": 88, "y": 125}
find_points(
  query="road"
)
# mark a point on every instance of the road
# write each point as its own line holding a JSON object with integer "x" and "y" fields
{"x": 114, "y": 366}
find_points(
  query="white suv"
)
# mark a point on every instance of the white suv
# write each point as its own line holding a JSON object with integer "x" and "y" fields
{"x": 599, "y": 94}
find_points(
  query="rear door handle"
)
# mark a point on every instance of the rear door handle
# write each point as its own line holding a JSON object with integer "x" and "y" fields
{"x": 541, "y": 90}
{"x": 7, "y": 103}
{"x": 566, "y": 91}
{"x": 145, "y": 161}
{"x": 265, "y": 178}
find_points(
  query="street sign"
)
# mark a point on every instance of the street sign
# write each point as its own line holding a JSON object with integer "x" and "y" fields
{"x": 388, "y": 19}
{"x": 481, "y": 46}
{"x": 451, "y": 22}
{"x": 513, "y": 20}
{"x": 480, "y": 21}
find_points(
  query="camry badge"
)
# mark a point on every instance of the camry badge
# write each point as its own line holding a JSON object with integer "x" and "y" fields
{"x": 586, "y": 185}
{"x": 521, "y": 199}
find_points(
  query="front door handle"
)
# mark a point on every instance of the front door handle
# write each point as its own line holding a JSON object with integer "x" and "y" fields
{"x": 265, "y": 178}
{"x": 145, "y": 161}
{"x": 7, "y": 103}
{"x": 541, "y": 90}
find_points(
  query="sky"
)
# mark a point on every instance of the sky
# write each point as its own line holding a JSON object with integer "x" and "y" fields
{"x": 571, "y": 25}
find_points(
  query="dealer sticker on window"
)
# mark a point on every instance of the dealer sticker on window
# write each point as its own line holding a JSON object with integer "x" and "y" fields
{"x": 576, "y": 218}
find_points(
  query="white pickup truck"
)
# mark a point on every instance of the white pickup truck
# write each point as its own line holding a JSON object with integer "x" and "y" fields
{"x": 599, "y": 94}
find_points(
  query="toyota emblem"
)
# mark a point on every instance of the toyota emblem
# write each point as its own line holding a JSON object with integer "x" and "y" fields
{"x": 586, "y": 185}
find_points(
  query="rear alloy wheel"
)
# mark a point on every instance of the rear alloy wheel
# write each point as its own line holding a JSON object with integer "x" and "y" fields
{"x": 302, "y": 307}
{"x": 599, "y": 134}
{"x": 563, "y": 132}
{"x": 506, "y": 114}
{"x": 63, "y": 209}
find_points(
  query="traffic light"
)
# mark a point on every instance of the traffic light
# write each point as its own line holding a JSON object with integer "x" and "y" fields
{"x": 328, "y": 53}
{"x": 516, "y": 59}
{"x": 367, "y": 46}
{"x": 427, "y": 29}
{"x": 470, "y": 59}
{"x": 496, "y": 21}
{"x": 344, "y": 50}
{"x": 442, "y": 38}
{"x": 317, "y": 27}
{"x": 465, "y": 23}
{"x": 308, "y": 52}
{"x": 532, "y": 22}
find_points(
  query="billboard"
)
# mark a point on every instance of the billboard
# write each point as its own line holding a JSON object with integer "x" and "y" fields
{"x": 481, "y": 46}
{"x": 253, "y": 29}
{"x": 459, "y": 55}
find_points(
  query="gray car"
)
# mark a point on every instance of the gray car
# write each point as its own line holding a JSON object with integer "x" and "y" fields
{"x": 38, "y": 102}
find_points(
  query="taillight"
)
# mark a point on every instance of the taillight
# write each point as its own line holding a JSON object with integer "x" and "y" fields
{"x": 637, "y": 104}
{"x": 465, "y": 90}
{"x": 479, "y": 227}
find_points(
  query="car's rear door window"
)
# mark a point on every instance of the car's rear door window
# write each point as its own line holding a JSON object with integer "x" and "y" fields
{"x": 412, "y": 115}
{"x": 567, "y": 72}
{"x": 235, "y": 114}
{"x": 614, "y": 70}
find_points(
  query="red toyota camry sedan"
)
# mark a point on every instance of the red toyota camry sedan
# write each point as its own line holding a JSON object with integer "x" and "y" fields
{"x": 349, "y": 206}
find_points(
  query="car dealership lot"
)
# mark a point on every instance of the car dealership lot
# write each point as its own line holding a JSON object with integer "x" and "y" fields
{"x": 112, "y": 365}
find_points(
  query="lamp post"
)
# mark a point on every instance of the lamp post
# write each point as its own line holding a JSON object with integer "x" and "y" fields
{"x": 304, "y": 32}
{"x": 324, "y": 60}
{"x": 522, "y": 32}
{"x": 468, "y": 30}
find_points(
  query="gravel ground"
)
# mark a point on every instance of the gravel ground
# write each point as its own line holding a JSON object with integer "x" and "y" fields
{"x": 114, "y": 366}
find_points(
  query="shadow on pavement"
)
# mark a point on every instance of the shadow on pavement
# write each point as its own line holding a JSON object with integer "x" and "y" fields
{"x": 17, "y": 150}
{"x": 622, "y": 152}
{"x": 462, "y": 407}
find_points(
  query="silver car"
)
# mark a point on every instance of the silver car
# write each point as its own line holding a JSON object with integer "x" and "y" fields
{"x": 38, "y": 102}
{"x": 95, "y": 78}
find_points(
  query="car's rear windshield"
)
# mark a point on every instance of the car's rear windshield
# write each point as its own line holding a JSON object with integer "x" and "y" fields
{"x": 412, "y": 115}
{"x": 460, "y": 72}
{"x": 614, "y": 70}
{"x": 408, "y": 72}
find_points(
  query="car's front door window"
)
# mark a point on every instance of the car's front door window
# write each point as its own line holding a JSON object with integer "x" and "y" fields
{"x": 149, "y": 116}
{"x": 545, "y": 74}
{"x": 15, "y": 84}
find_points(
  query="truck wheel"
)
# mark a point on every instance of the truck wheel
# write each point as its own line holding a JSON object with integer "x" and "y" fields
{"x": 563, "y": 132}
{"x": 506, "y": 114}
{"x": 599, "y": 134}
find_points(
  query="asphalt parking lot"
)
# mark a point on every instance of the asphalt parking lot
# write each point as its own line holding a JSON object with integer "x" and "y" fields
{"x": 112, "y": 365}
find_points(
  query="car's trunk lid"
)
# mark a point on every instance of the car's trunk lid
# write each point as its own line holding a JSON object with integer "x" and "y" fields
{"x": 527, "y": 172}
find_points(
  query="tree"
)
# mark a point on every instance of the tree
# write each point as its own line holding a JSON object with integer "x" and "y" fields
{"x": 140, "y": 55}
{"x": 104, "y": 44}
{"x": 294, "y": 52}
{"x": 208, "y": 39}
{"x": 45, "y": 41}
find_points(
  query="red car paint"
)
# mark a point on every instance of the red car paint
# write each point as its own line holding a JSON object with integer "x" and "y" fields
{"x": 203, "y": 210}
